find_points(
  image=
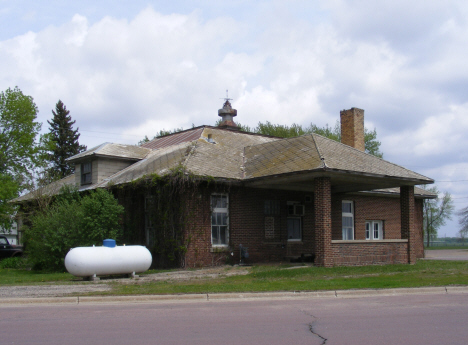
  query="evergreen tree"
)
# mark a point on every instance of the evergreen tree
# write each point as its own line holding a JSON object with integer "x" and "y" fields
{"x": 65, "y": 139}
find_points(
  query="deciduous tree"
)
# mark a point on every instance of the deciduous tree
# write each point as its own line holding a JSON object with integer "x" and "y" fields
{"x": 435, "y": 213}
{"x": 463, "y": 221}
{"x": 20, "y": 151}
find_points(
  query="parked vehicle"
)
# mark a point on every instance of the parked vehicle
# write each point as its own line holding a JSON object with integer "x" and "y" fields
{"x": 8, "y": 250}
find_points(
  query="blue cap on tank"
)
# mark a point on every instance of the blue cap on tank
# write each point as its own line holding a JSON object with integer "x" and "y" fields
{"x": 108, "y": 243}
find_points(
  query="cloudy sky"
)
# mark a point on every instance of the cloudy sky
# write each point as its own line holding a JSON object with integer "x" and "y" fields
{"x": 126, "y": 69}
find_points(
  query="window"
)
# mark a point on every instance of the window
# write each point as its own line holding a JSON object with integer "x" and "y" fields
{"x": 374, "y": 230}
{"x": 86, "y": 173}
{"x": 271, "y": 208}
{"x": 347, "y": 220}
{"x": 219, "y": 220}
{"x": 294, "y": 229}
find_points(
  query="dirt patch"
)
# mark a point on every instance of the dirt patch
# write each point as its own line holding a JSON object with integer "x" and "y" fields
{"x": 204, "y": 273}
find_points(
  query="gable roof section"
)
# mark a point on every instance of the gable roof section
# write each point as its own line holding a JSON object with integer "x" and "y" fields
{"x": 221, "y": 159}
{"x": 111, "y": 150}
{"x": 174, "y": 139}
{"x": 281, "y": 157}
{"x": 312, "y": 152}
{"x": 343, "y": 157}
{"x": 158, "y": 162}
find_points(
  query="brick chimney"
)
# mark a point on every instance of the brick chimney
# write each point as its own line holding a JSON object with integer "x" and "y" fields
{"x": 227, "y": 114}
{"x": 352, "y": 128}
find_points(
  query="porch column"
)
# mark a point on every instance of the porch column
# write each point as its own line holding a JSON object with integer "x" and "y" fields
{"x": 408, "y": 230}
{"x": 323, "y": 223}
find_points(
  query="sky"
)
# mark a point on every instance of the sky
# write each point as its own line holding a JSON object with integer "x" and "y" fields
{"x": 126, "y": 69}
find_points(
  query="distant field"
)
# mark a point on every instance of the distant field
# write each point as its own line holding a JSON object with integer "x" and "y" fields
{"x": 445, "y": 246}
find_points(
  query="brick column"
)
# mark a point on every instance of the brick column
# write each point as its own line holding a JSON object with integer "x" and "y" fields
{"x": 323, "y": 223}
{"x": 408, "y": 229}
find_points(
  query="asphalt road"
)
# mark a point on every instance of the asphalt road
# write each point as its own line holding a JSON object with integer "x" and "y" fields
{"x": 402, "y": 319}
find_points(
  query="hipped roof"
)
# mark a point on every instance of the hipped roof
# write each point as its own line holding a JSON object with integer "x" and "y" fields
{"x": 256, "y": 160}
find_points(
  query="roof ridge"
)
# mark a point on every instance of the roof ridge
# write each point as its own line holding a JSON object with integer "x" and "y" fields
{"x": 371, "y": 155}
{"x": 322, "y": 158}
{"x": 192, "y": 146}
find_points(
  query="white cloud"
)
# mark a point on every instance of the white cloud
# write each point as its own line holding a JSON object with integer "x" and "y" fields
{"x": 133, "y": 75}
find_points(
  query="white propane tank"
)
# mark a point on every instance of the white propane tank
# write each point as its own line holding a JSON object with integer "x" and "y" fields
{"x": 108, "y": 259}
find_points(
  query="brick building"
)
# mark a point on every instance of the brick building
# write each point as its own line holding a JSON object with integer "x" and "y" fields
{"x": 306, "y": 197}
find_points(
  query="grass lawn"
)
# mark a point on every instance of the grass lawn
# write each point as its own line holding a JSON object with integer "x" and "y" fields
{"x": 275, "y": 278}
{"x": 446, "y": 247}
{"x": 280, "y": 278}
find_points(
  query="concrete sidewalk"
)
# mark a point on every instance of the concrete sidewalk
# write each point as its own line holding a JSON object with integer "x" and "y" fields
{"x": 203, "y": 298}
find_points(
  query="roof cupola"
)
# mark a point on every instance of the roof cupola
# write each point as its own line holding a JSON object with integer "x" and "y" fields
{"x": 227, "y": 114}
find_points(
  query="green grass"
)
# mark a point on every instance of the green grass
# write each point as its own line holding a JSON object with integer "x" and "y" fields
{"x": 275, "y": 278}
{"x": 10, "y": 276}
{"x": 447, "y": 247}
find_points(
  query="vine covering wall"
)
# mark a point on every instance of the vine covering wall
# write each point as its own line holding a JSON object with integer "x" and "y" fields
{"x": 160, "y": 212}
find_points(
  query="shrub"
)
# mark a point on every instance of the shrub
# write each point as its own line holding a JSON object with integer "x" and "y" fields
{"x": 15, "y": 262}
{"x": 71, "y": 221}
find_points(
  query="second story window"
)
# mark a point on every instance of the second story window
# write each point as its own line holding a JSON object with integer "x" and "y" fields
{"x": 86, "y": 173}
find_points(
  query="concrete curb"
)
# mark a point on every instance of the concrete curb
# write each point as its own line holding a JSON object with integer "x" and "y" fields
{"x": 9, "y": 302}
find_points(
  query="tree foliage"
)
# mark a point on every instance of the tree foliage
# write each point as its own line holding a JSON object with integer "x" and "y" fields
{"x": 73, "y": 220}
{"x": 372, "y": 145}
{"x": 435, "y": 213}
{"x": 65, "y": 139}
{"x": 463, "y": 221}
{"x": 20, "y": 151}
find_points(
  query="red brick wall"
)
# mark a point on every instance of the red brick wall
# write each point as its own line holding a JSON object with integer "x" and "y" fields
{"x": 323, "y": 222}
{"x": 386, "y": 209}
{"x": 360, "y": 254}
{"x": 247, "y": 227}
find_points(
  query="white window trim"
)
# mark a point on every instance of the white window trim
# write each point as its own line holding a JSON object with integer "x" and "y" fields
{"x": 371, "y": 230}
{"x": 347, "y": 214}
{"x": 220, "y": 210}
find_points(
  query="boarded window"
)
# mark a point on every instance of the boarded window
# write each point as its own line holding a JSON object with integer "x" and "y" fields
{"x": 269, "y": 227}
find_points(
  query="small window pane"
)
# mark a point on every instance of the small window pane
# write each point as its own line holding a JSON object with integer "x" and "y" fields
{"x": 347, "y": 221}
{"x": 223, "y": 219}
{"x": 215, "y": 234}
{"x": 346, "y": 207}
{"x": 376, "y": 230}
{"x": 222, "y": 234}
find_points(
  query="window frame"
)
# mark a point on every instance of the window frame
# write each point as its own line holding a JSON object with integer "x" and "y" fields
{"x": 221, "y": 210}
{"x": 84, "y": 173}
{"x": 344, "y": 214}
{"x": 299, "y": 239}
{"x": 372, "y": 230}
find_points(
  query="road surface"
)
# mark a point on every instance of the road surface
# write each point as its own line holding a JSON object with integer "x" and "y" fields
{"x": 403, "y": 319}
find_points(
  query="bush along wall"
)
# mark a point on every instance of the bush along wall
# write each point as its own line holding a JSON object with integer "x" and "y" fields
{"x": 72, "y": 220}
